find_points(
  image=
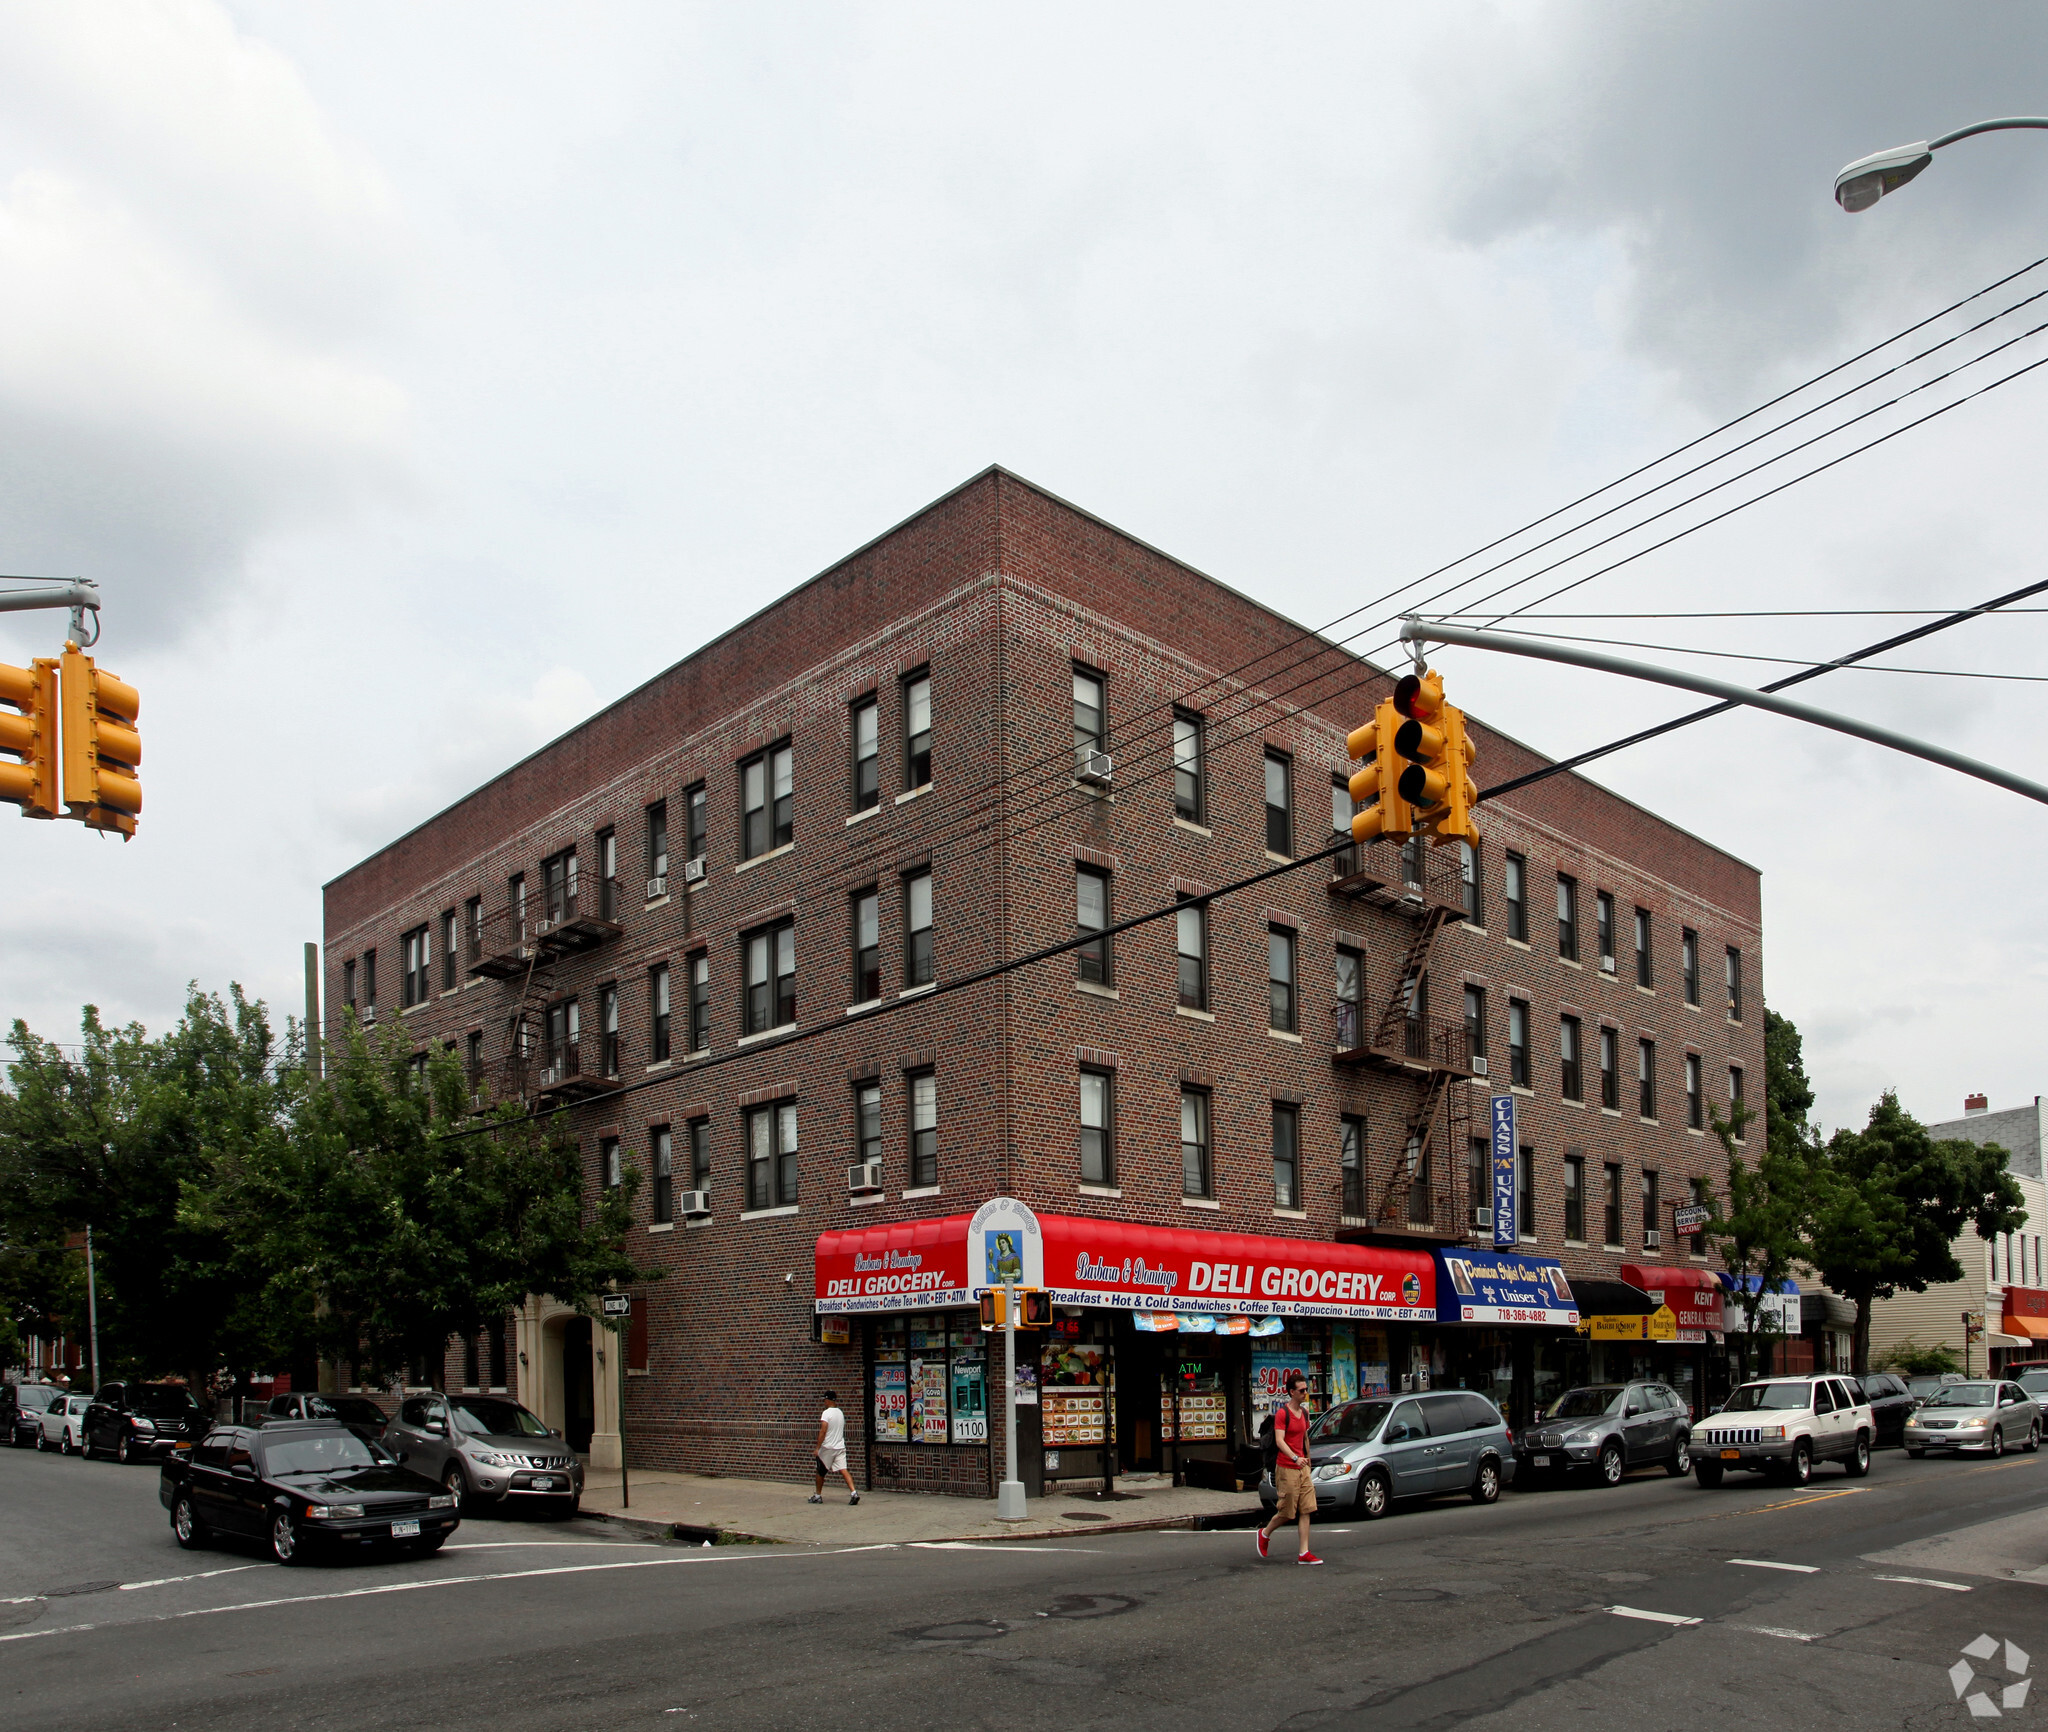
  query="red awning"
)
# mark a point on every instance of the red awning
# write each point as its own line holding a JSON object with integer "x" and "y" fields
{"x": 1692, "y": 1295}
{"x": 2026, "y": 1313}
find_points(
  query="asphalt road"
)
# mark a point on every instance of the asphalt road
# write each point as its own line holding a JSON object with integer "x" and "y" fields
{"x": 1648, "y": 1606}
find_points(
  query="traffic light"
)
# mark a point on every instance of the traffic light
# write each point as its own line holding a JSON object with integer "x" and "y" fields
{"x": 102, "y": 750}
{"x": 1436, "y": 778}
{"x": 1376, "y": 788}
{"x": 1034, "y": 1308}
{"x": 30, "y": 736}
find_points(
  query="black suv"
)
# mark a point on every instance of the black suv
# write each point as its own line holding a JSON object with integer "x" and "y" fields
{"x": 138, "y": 1421}
{"x": 1891, "y": 1405}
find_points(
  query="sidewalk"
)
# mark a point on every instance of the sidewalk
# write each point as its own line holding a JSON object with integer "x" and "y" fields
{"x": 769, "y": 1510}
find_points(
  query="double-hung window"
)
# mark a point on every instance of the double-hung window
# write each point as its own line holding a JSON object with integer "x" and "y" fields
{"x": 369, "y": 986}
{"x": 1735, "y": 1093}
{"x": 1646, "y": 1078}
{"x": 1091, "y": 719}
{"x": 1569, "y": 1081}
{"x": 770, "y": 956}
{"x": 696, "y": 819}
{"x": 924, "y": 1129}
{"x": 657, "y": 1010}
{"x": 1196, "y": 1178}
{"x": 1279, "y": 804}
{"x": 867, "y": 754}
{"x": 1470, "y": 881}
{"x": 1098, "y": 1128}
{"x": 564, "y": 1031}
{"x": 700, "y": 1001}
{"x": 1525, "y": 1192}
{"x": 608, "y": 1029}
{"x": 473, "y": 924}
{"x": 1610, "y": 1206}
{"x": 1649, "y": 1206}
{"x": 918, "y": 964}
{"x": 657, "y": 849}
{"x": 1351, "y": 1163}
{"x": 1518, "y": 1043}
{"x": 867, "y": 945}
{"x": 1575, "y": 1198}
{"x": 558, "y": 886}
{"x": 663, "y": 1203}
{"x": 1514, "y": 891}
{"x": 1475, "y": 1027}
{"x": 1645, "y": 975}
{"x": 1610, "y": 1069}
{"x": 348, "y": 983}
{"x": 611, "y": 1166}
{"x": 1187, "y": 766}
{"x": 607, "y": 874}
{"x": 1695, "y": 1104}
{"x": 1091, "y": 914}
{"x": 1603, "y": 921}
{"x": 448, "y": 951}
{"x": 415, "y": 954}
{"x": 1191, "y": 940}
{"x": 1734, "y": 984}
{"x": 1280, "y": 970}
{"x": 1350, "y": 999}
{"x": 767, "y": 800}
{"x": 1689, "y": 963}
{"x": 1286, "y": 1156}
{"x": 700, "y": 1155}
{"x": 473, "y": 1057}
{"x": 1567, "y": 918}
{"x": 867, "y": 1122}
{"x": 917, "y": 731}
{"x": 771, "y": 1156}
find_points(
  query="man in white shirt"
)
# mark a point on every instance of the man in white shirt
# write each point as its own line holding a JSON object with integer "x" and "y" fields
{"x": 830, "y": 1449}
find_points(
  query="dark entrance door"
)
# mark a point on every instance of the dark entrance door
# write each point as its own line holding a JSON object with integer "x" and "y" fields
{"x": 1138, "y": 1367}
{"x": 578, "y": 1399}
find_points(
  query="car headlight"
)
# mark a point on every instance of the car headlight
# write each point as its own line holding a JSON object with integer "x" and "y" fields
{"x": 141, "y": 1424}
{"x": 1971, "y": 1425}
{"x": 327, "y": 1512}
{"x": 1774, "y": 1433}
{"x": 495, "y": 1458}
{"x": 1334, "y": 1470}
{"x": 440, "y": 1503}
{"x": 1581, "y": 1436}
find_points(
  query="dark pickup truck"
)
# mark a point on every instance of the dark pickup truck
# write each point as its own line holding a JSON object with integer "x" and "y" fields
{"x": 299, "y": 1485}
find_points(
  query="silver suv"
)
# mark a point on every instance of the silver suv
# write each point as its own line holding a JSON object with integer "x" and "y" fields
{"x": 485, "y": 1449}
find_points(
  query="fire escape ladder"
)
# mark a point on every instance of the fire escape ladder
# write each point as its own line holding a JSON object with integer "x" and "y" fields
{"x": 526, "y": 1034}
{"x": 1408, "y": 980}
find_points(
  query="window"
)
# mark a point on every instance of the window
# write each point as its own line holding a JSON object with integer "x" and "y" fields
{"x": 1091, "y": 719}
{"x": 1689, "y": 963}
{"x": 867, "y": 945}
{"x": 1091, "y": 914}
{"x": 1191, "y": 940}
{"x": 1187, "y": 766}
{"x": 1351, "y": 1163}
{"x": 917, "y": 731}
{"x": 767, "y": 789}
{"x": 562, "y": 1035}
{"x": 607, "y": 844}
{"x": 1734, "y": 984}
{"x": 663, "y": 1205}
{"x": 1603, "y": 921}
{"x": 1695, "y": 1107}
{"x": 1419, "y": 1210}
{"x": 1195, "y": 1175}
{"x": 1525, "y": 1192}
{"x": 608, "y": 1030}
{"x": 1610, "y": 1206}
{"x": 867, "y": 755}
{"x": 867, "y": 1121}
{"x": 1350, "y": 1000}
{"x": 1475, "y": 1026}
{"x": 1468, "y": 878}
{"x": 1342, "y": 811}
{"x": 348, "y": 983}
{"x": 696, "y": 819}
{"x": 1514, "y": 891}
{"x": 1643, "y": 974}
{"x": 1280, "y": 970}
{"x": 657, "y": 849}
{"x": 1646, "y": 1078}
{"x": 1575, "y": 1197}
{"x": 515, "y": 897}
{"x": 473, "y": 1056}
{"x": 1518, "y": 1044}
{"x": 369, "y": 986}
{"x": 1568, "y": 1059}
{"x": 917, "y": 929}
{"x": 1098, "y": 1151}
{"x": 414, "y": 951}
{"x": 700, "y": 1155}
{"x": 558, "y": 886}
{"x": 1286, "y": 1156}
{"x": 1735, "y": 1091}
{"x": 611, "y": 1170}
{"x": 771, "y": 1156}
{"x": 1649, "y": 1206}
{"x": 924, "y": 1129}
{"x": 1567, "y": 918}
{"x": 657, "y": 1009}
{"x": 448, "y": 951}
{"x": 1610, "y": 1069}
{"x": 473, "y": 924}
{"x": 700, "y": 1002}
{"x": 1479, "y": 1173}
{"x": 770, "y": 955}
{"x": 1279, "y": 804}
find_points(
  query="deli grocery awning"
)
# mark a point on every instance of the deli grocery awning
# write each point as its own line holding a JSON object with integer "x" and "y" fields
{"x": 1123, "y": 1266}
{"x": 1504, "y": 1287}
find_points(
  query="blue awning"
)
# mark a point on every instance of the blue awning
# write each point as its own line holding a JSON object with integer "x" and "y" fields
{"x": 1503, "y": 1287}
{"x": 1751, "y": 1283}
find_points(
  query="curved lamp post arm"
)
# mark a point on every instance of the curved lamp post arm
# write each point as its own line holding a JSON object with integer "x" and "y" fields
{"x": 1869, "y": 178}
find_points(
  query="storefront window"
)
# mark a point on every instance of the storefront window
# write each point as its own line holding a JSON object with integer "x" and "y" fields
{"x": 931, "y": 1379}
{"x": 1075, "y": 1381}
{"x": 1304, "y": 1348}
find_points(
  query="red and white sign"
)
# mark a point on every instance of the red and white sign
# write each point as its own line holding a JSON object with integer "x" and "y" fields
{"x": 2026, "y": 1312}
{"x": 1121, "y": 1266}
{"x": 1693, "y": 1295}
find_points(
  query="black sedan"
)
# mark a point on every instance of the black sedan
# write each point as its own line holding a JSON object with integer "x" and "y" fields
{"x": 300, "y": 1486}
{"x": 25, "y": 1413}
{"x": 133, "y": 1421}
{"x": 1891, "y": 1405}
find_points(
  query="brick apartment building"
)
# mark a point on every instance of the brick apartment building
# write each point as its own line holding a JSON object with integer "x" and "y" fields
{"x": 1000, "y": 725}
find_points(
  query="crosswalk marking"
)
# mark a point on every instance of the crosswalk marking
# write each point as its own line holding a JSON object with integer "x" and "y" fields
{"x": 1926, "y": 1582}
{"x": 1650, "y": 1617}
{"x": 1773, "y": 1564}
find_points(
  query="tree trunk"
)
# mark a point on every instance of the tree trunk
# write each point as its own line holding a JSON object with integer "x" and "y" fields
{"x": 1861, "y": 1345}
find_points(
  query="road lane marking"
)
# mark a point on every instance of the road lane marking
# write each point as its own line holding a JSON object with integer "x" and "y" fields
{"x": 1773, "y": 1564}
{"x": 1774, "y": 1630}
{"x": 196, "y": 1576}
{"x": 1927, "y": 1582}
{"x": 529, "y": 1545}
{"x": 1794, "y": 1503}
{"x": 997, "y": 1546}
{"x": 1650, "y": 1617}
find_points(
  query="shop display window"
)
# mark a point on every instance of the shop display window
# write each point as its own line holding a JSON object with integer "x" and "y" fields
{"x": 931, "y": 1379}
{"x": 1075, "y": 1382}
{"x": 1303, "y": 1348}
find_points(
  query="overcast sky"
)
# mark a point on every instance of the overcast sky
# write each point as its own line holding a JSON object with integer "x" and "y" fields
{"x": 416, "y": 380}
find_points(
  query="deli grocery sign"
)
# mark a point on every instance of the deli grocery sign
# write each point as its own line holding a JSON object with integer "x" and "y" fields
{"x": 1120, "y": 1266}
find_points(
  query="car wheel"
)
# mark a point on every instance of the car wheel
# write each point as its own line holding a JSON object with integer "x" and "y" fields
{"x": 1611, "y": 1467}
{"x": 191, "y": 1532}
{"x": 1374, "y": 1494}
{"x": 122, "y": 1453}
{"x": 1680, "y": 1463}
{"x": 1858, "y": 1463}
{"x": 42, "y": 1443}
{"x": 1801, "y": 1469}
{"x": 2033, "y": 1437}
{"x": 1708, "y": 1473}
{"x": 1486, "y": 1483}
{"x": 1916, "y": 1454}
{"x": 1998, "y": 1440}
{"x": 456, "y": 1484}
{"x": 284, "y": 1539}
{"x": 64, "y": 1444}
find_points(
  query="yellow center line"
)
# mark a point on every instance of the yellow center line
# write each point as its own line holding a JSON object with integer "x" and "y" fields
{"x": 2001, "y": 1466}
{"x": 1792, "y": 1503}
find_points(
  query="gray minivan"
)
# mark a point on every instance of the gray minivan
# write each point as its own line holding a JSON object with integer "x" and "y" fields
{"x": 1366, "y": 1453}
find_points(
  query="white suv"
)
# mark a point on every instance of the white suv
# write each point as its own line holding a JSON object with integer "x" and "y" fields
{"x": 1782, "y": 1426}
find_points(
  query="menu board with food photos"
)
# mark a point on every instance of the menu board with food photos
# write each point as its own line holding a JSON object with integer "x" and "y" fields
{"x": 1203, "y": 1418}
{"x": 1071, "y": 1417}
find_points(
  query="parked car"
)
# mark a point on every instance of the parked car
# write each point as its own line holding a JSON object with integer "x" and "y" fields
{"x": 1985, "y": 1415}
{"x": 298, "y": 1486}
{"x": 1610, "y": 1428}
{"x": 1782, "y": 1426}
{"x": 1364, "y": 1454}
{"x": 363, "y": 1417}
{"x": 485, "y": 1449}
{"x": 30, "y": 1400}
{"x": 2035, "y": 1383}
{"x": 1891, "y": 1404}
{"x": 1924, "y": 1388}
{"x": 64, "y": 1425}
{"x": 131, "y": 1421}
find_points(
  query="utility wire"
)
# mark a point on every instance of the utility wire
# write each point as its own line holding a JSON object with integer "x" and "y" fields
{"x": 1758, "y": 613}
{"x": 1781, "y": 661}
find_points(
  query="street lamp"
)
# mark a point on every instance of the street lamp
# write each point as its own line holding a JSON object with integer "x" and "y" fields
{"x": 1869, "y": 178}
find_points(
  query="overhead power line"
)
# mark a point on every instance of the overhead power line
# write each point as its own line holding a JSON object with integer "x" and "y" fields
{"x": 1781, "y": 661}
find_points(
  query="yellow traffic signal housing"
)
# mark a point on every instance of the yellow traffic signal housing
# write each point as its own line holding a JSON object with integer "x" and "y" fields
{"x": 30, "y": 736}
{"x": 1376, "y": 788}
{"x": 1034, "y": 1308}
{"x": 1461, "y": 793}
{"x": 1436, "y": 775}
{"x": 102, "y": 750}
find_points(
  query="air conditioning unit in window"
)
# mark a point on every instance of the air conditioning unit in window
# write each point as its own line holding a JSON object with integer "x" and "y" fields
{"x": 1479, "y": 1064}
{"x": 1483, "y": 1218}
{"x": 864, "y": 1178}
{"x": 1606, "y": 965}
{"x": 1652, "y": 1238}
{"x": 657, "y": 886}
{"x": 694, "y": 1204}
{"x": 1095, "y": 767}
{"x": 693, "y": 870}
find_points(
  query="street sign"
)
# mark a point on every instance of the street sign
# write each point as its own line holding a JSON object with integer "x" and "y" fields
{"x": 617, "y": 1304}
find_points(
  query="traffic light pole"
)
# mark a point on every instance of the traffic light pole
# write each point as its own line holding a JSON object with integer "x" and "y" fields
{"x": 1010, "y": 1496}
{"x": 1419, "y": 631}
{"x": 78, "y": 596}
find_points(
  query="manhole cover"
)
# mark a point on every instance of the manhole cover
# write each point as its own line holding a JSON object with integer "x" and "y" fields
{"x": 966, "y": 1630}
{"x": 1081, "y": 1515}
{"x": 1411, "y": 1596}
{"x": 78, "y": 1588}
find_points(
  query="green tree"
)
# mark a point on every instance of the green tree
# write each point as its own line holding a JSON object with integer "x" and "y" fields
{"x": 1760, "y": 1231}
{"x": 1788, "y": 1095}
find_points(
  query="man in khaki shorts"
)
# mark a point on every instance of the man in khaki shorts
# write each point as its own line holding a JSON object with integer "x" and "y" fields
{"x": 1291, "y": 1479}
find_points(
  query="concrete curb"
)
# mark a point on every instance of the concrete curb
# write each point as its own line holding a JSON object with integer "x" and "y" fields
{"x": 686, "y": 1533}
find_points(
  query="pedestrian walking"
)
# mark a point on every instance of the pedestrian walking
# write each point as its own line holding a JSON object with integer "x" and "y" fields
{"x": 1297, "y": 1492}
{"x": 830, "y": 1450}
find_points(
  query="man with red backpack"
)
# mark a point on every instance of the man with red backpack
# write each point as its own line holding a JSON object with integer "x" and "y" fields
{"x": 1297, "y": 1491}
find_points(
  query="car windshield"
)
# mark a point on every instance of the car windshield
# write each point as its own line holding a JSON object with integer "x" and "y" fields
{"x": 351, "y": 1410}
{"x": 1354, "y": 1422}
{"x": 497, "y": 1419}
{"x": 328, "y": 1453}
{"x": 1584, "y": 1403}
{"x": 1965, "y": 1395}
{"x": 1757, "y": 1397}
{"x": 35, "y": 1400}
{"x": 160, "y": 1400}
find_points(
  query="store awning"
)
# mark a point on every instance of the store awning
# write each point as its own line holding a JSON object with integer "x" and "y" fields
{"x": 1829, "y": 1310}
{"x": 1123, "y": 1266}
{"x": 1777, "y": 1314}
{"x": 2032, "y": 1328}
{"x": 1612, "y": 1299}
{"x": 1504, "y": 1287}
{"x": 1693, "y": 1295}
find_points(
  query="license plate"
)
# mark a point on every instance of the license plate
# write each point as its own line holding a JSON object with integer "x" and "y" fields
{"x": 1731, "y": 1455}
{"x": 543, "y": 1484}
{"x": 405, "y": 1530}
{"x": 1540, "y": 1460}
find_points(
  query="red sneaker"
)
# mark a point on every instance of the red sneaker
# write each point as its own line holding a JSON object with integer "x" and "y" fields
{"x": 1308, "y": 1558}
{"x": 1262, "y": 1542}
